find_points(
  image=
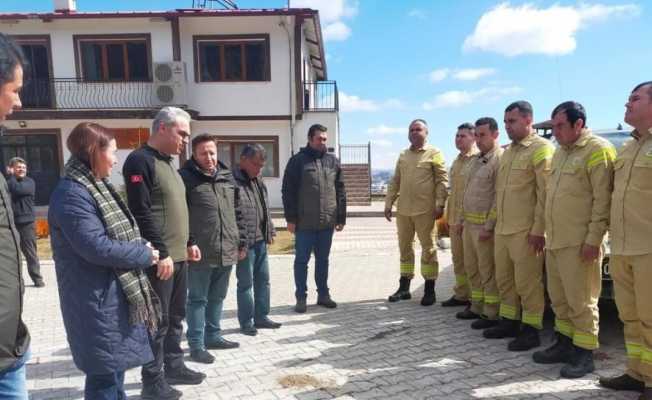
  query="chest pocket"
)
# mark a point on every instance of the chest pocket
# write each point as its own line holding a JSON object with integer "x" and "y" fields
{"x": 203, "y": 198}
{"x": 310, "y": 176}
{"x": 519, "y": 173}
{"x": 572, "y": 180}
{"x": 641, "y": 177}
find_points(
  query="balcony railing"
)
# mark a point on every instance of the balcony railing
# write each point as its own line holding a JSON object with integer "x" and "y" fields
{"x": 80, "y": 94}
{"x": 320, "y": 96}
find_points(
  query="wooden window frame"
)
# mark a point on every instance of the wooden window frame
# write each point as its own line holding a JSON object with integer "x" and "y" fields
{"x": 44, "y": 40}
{"x": 242, "y": 40}
{"x": 235, "y": 140}
{"x": 113, "y": 39}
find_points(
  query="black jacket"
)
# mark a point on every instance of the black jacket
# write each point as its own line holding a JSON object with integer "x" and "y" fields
{"x": 22, "y": 199}
{"x": 313, "y": 190}
{"x": 14, "y": 338}
{"x": 248, "y": 201}
{"x": 216, "y": 224}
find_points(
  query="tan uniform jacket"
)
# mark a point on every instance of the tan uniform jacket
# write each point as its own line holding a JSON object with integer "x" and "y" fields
{"x": 419, "y": 182}
{"x": 631, "y": 202}
{"x": 458, "y": 176}
{"x": 521, "y": 185}
{"x": 480, "y": 193}
{"x": 578, "y": 194}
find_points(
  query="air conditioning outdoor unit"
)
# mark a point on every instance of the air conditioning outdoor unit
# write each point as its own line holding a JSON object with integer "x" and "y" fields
{"x": 170, "y": 83}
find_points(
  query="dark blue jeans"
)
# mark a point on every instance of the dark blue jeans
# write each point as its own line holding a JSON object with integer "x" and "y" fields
{"x": 105, "y": 387}
{"x": 253, "y": 273}
{"x": 13, "y": 383}
{"x": 307, "y": 241}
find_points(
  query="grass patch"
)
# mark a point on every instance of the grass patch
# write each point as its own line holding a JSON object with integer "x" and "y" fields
{"x": 283, "y": 244}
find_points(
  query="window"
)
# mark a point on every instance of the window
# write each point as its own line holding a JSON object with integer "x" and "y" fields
{"x": 234, "y": 58}
{"x": 230, "y": 147}
{"x": 113, "y": 57}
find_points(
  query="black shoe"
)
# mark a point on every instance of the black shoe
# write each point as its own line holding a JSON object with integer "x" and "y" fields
{"x": 429, "y": 297}
{"x": 267, "y": 324}
{"x": 39, "y": 283}
{"x": 505, "y": 328}
{"x": 160, "y": 390}
{"x": 580, "y": 365}
{"x": 222, "y": 344}
{"x": 467, "y": 314}
{"x": 484, "y": 323}
{"x": 249, "y": 331}
{"x": 622, "y": 382}
{"x": 184, "y": 376}
{"x": 403, "y": 292}
{"x": 301, "y": 306}
{"x": 453, "y": 302}
{"x": 527, "y": 339}
{"x": 560, "y": 352}
{"x": 326, "y": 301}
{"x": 647, "y": 394}
{"x": 202, "y": 356}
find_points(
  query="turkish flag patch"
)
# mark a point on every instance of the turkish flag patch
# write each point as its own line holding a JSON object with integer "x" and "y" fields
{"x": 136, "y": 178}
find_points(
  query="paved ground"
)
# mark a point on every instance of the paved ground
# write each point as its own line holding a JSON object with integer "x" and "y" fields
{"x": 364, "y": 349}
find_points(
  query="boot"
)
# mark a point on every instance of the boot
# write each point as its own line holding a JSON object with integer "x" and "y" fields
{"x": 560, "y": 352}
{"x": 467, "y": 314}
{"x": 429, "y": 297}
{"x": 403, "y": 292}
{"x": 301, "y": 306}
{"x": 453, "y": 302}
{"x": 580, "y": 365}
{"x": 505, "y": 328}
{"x": 483, "y": 323}
{"x": 159, "y": 390}
{"x": 326, "y": 301}
{"x": 622, "y": 382}
{"x": 527, "y": 339}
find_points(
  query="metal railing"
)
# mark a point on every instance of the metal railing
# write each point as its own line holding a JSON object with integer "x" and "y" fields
{"x": 320, "y": 96}
{"x": 77, "y": 94}
{"x": 355, "y": 153}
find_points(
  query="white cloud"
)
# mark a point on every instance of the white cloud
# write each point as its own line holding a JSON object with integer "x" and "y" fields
{"x": 418, "y": 14}
{"x": 471, "y": 74}
{"x": 438, "y": 75}
{"x": 383, "y": 143}
{"x": 516, "y": 30}
{"x": 459, "y": 98}
{"x": 351, "y": 103}
{"x": 383, "y": 129}
{"x": 332, "y": 13}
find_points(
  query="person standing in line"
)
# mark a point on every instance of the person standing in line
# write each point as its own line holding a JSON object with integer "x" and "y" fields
{"x": 314, "y": 204}
{"x": 23, "y": 190}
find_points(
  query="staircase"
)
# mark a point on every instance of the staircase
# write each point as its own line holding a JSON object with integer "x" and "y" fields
{"x": 357, "y": 182}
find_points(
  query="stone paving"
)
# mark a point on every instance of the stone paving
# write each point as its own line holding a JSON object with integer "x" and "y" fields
{"x": 365, "y": 349}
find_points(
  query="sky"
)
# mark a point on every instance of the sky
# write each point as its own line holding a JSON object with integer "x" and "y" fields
{"x": 450, "y": 62}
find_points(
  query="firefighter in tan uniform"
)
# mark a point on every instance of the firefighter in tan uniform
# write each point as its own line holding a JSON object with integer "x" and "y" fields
{"x": 465, "y": 143}
{"x": 631, "y": 245}
{"x": 519, "y": 237}
{"x": 479, "y": 221}
{"x": 420, "y": 185}
{"x": 578, "y": 196}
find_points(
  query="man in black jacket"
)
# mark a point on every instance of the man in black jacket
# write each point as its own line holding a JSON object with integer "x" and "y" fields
{"x": 314, "y": 203}
{"x": 253, "y": 271}
{"x": 23, "y": 190}
{"x": 217, "y": 228}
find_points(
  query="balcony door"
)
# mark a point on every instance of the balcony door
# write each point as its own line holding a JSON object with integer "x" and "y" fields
{"x": 38, "y": 87}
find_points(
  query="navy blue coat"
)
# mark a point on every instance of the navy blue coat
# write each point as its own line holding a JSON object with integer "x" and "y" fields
{"x": 95, "y": 310}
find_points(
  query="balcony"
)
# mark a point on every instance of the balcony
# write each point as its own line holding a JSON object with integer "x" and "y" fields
{"x": 320, "y": 96}
{"x": 80, "y": 94}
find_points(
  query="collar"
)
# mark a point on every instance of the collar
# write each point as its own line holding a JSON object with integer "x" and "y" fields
{"x": 424, "y": 148}
{"x": 474, "y": 150}
{"x": 157, "y": 153}
{"x": 528, "y": 140}
{"x": 486, "y": 157}
{"x": 581, "y": 141}
{"x": 642, "y": 136}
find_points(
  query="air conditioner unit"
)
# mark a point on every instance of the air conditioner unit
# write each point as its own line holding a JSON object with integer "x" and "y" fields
{"x": 65, "y": 6}
{"x": 170, "y": 83}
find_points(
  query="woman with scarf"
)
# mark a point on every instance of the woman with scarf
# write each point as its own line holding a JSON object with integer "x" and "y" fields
{"x": 107, "y": 302}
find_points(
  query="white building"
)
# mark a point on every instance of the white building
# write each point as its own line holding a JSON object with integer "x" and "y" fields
{"x": 244, "y": 75}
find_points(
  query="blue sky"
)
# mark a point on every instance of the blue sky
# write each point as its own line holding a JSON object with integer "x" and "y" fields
{"x": 454, "y": 61}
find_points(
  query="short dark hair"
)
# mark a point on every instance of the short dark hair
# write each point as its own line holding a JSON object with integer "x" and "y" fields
{"x": 87, "y": 140}
{"x": 16, "y": 160}
{"x": 11, "y": 55}
{"x": 574, "y": 111}
{"x": 202, "y": 138}
{"x": 312, "y": 131}
{"x": 466, "y": 125}
{"x": 493, "y": 125}
{"x": 649, "y": 90}
{"x": 251, "y": 150}
{"x": 523, "y": 107}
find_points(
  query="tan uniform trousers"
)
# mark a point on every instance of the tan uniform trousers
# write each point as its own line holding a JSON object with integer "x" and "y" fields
{"x": 480, "y": 268}
{"x": 461, "y": 288}
{"x": 426, "y": 230}
{"x": 632, "y": 276}
{"x": 574, "y": 288}
{"x": 519, "y": 277}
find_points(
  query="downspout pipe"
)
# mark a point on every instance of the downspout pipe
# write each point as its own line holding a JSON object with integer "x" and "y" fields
{"x": 284, "y": 20}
